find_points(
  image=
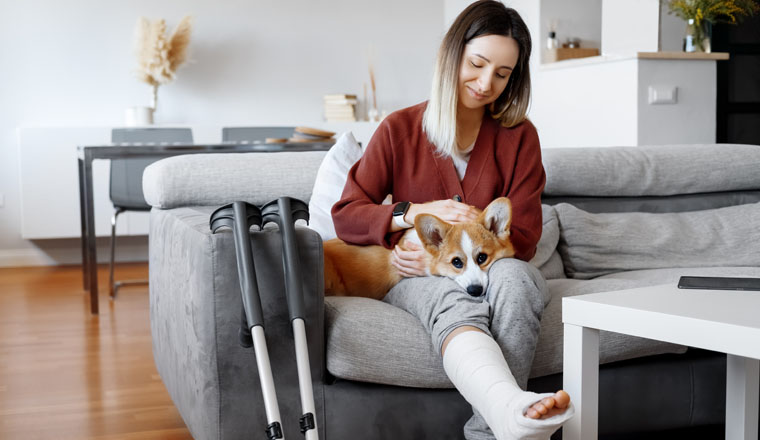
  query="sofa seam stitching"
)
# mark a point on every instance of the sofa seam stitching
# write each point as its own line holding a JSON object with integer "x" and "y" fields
{"x": 209, "y": 240}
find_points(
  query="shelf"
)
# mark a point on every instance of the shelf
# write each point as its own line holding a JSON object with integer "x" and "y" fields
{"x": 579, "y": 62}
{"x": 683, "y": 55}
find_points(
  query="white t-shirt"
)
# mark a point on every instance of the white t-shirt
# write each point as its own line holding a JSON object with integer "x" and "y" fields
{"x": 460, "y": 160}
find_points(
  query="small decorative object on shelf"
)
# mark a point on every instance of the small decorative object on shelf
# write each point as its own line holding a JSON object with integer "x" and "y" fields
{"x": 340, "y": 108}
{"x": 159, "y": 57}
{"x": 373, "y": 114}
{"x": 552, "y": 42}
{"x": 700, "y": 15}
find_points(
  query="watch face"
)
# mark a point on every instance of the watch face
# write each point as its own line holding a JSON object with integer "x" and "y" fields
{"x": 401, "y": 208}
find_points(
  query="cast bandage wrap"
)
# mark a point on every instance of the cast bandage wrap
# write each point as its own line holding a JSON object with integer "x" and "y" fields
{"x": 474, "y": 363}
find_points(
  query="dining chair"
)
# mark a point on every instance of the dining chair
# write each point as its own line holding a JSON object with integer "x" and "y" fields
{"x": 255, "y": 134}
{"x": 125, "y": 187}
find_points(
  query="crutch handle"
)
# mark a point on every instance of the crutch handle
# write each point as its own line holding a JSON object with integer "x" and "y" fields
{"x": 240, "y": 216}
{"x": 285, "y": 211}
{"x": 246, "y": 270}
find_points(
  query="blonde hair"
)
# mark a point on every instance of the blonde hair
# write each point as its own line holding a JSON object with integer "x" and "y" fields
{"x": 484, "y": 17}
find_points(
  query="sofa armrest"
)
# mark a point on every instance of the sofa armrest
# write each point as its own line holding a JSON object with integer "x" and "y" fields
{"x": 217, "y": 179}
{"x": 195, "y": 310}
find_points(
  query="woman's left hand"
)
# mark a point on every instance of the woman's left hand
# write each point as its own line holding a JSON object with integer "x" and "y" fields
{"x": 410, "y": 261}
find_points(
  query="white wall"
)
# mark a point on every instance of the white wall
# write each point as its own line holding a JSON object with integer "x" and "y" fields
{"x": 253, "y": 62}
{"x": 692, "y": 119}
{"x": 630, "y": 26}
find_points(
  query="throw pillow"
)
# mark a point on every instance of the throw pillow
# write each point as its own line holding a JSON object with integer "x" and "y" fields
{"x": 547, "y": 245}
{"x": 592, "y": 245}
{"x": 329, "y": 183}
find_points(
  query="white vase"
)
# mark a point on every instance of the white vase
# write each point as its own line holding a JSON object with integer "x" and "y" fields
{"x": 373, "y": 115}
{"x": 137, "y": 116}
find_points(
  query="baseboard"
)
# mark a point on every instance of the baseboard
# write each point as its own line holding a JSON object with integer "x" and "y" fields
{"x": 25, "y": 257}
{"x": 68, "y": 252}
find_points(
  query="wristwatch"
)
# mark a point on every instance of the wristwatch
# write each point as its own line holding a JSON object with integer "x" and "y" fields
{"x": 398, "y": 215}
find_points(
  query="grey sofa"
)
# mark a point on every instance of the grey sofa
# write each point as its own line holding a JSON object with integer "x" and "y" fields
{"x": 614, "y": 218}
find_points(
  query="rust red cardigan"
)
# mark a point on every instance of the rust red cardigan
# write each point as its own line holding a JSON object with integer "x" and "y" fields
{"x": 399, "y": 160}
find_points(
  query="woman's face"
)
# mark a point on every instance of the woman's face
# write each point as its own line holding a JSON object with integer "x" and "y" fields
{"x": 487, "y": 63}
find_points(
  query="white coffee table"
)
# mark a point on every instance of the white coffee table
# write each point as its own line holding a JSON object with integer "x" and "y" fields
{"x": 719, "y": 320}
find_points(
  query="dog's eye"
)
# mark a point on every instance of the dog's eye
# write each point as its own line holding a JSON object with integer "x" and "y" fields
{"x": 457, "y": 262}
{"x": 482, "y": 258}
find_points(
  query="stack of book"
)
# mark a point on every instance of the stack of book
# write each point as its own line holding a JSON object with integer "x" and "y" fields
{"x": 340, "y": 108}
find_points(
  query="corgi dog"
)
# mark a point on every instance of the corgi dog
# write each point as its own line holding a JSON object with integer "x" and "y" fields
{"x": 463, "y": 252}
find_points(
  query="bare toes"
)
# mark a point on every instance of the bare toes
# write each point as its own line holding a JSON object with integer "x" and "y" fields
{"x": 561, "y": 399}
{"x": 532, "y": 413}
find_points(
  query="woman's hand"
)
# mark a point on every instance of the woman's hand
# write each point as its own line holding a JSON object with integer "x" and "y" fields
{"x": 410, "y": 262}
{"x": 449, "y": 211}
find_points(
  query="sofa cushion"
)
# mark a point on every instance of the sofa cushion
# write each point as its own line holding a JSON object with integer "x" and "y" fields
{"x": 547, "y": 259}
{"x": 612, "y": 346}
{"x": 329, "y": 183}
{"x": 592, "y": 245}
{"x": 217, "y": 179}
{"x": 651, "y": 171}
{"x": 372, "y": 341}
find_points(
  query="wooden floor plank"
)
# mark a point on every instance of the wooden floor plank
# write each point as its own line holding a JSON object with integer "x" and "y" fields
{"x": 65, "y": 374}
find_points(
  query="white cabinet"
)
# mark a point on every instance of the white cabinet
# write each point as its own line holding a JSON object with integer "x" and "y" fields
{"x": 49, "y": 183}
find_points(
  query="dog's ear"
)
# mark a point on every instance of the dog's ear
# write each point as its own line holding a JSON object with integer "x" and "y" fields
{"x": 497, "y": 217}
{"x": 431, "y": 230}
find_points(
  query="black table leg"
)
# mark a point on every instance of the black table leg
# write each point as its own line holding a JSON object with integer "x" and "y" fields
{"x": 83, "y": 221}
{"x": 92, "y": 260}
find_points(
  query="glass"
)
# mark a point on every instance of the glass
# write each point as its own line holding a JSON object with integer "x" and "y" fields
{"x": 698, "y": 35}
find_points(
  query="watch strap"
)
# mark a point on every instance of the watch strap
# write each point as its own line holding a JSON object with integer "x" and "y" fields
{"x": 400, "y": 222}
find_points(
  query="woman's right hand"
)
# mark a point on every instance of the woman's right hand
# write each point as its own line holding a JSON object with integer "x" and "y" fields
{"x": 449, "y": 211}
{"x": 410, "y": 261}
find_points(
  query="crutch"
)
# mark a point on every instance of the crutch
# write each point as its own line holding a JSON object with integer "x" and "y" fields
{"x": 240, "y": 216}
{"x": 285, "y": 211}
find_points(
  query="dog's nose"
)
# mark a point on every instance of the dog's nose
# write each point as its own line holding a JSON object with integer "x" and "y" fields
{"x": 475, "y": 290}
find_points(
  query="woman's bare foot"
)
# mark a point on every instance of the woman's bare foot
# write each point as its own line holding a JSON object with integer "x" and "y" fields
{"x": 549, "y": 406}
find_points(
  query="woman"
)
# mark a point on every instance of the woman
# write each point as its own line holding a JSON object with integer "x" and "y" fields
{"x": 451, "y": 156}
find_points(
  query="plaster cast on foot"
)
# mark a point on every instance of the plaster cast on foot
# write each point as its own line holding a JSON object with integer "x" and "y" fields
{"x": 474, "y": 363}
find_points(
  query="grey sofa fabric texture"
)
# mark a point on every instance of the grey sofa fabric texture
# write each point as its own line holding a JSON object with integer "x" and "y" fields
{"x": 547, "y": 260}
{"x": 593, "y": 245}
{"x": 195, "y": 307}
{"x": 217, "y": 179}
{"x": 650, "y": 171}
{"x": 404, "y": 355}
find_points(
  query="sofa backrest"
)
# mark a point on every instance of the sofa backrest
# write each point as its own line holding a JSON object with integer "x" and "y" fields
{"x": 217, "y": 179}
{"x": 678, "y": 202}
{"x": 666, "y": 178}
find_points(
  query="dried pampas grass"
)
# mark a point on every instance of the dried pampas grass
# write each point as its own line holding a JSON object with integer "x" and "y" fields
{"x": 158, "y": 58}
{"x": 179, "y": 42}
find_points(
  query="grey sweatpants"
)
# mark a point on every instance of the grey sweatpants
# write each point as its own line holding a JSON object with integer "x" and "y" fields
{"x": 510, "y": 312}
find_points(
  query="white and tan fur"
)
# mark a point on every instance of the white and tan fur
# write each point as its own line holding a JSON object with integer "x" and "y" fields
{"x": 463, "y": 252}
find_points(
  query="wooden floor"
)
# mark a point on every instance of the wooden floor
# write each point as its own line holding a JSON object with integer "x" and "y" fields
{"x": 65, "y": 374}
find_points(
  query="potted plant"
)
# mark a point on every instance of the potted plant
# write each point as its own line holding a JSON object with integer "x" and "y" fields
{"x": 700, "y": 15}
{"x": 159, "y": 56}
